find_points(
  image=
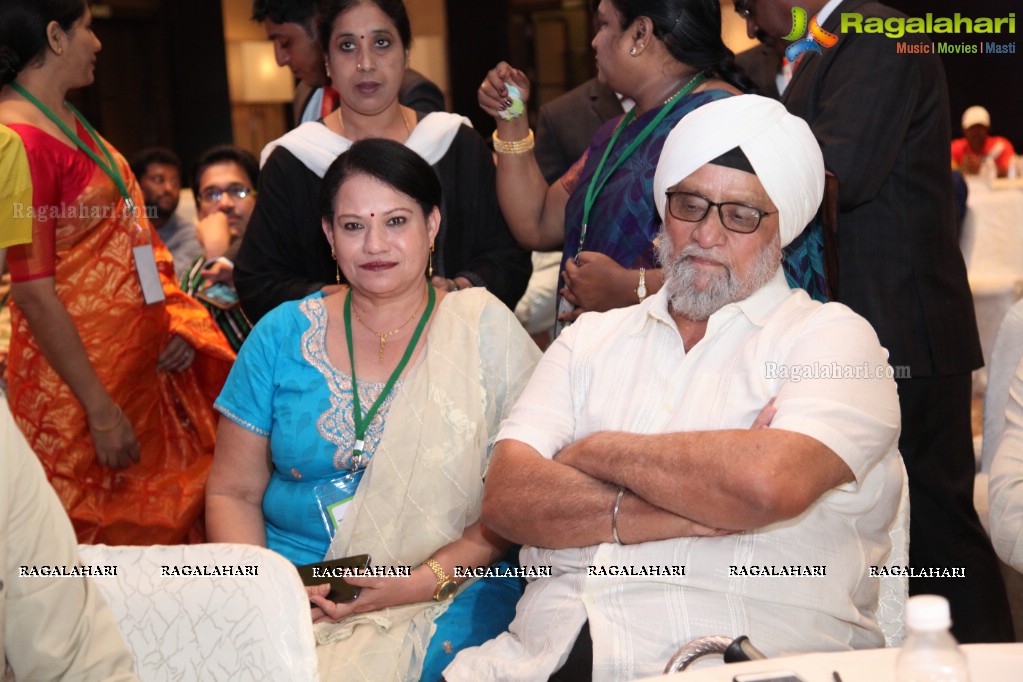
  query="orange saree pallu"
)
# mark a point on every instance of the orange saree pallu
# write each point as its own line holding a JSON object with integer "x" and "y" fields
{"x": 83, "y": 237}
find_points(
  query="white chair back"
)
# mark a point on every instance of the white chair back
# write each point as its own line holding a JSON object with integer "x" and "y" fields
{"x": 209, "y": 627}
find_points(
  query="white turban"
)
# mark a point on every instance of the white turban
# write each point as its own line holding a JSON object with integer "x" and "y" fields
{"x": 779, "y": 146}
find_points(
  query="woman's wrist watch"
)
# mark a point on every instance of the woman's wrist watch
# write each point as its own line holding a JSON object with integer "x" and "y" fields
{"x": 446, "y": 586}
{"x": 641, "y": 289}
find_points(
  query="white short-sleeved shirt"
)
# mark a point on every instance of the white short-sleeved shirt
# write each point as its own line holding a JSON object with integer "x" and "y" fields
{"x": 627, "y": 370}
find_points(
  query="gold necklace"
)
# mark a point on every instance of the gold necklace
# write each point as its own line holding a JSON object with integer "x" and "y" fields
{"x": 383, "y": 336}
{"x": 630, "y": 120}
{"x": 341, "y": 122}
{"x": 688, "y": 83}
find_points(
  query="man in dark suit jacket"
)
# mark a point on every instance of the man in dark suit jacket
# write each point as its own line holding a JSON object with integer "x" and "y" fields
{"x": 882, "y": 120}
{"x": 420, "y": 93}
{"x": 761, "y": 65}
{"x": 566, "y": 124}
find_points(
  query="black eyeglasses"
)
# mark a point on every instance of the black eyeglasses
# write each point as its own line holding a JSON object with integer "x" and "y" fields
{"x": 692, "y": 208}
{"x": 742, "y": 8}
{"x": 212, "y": 195}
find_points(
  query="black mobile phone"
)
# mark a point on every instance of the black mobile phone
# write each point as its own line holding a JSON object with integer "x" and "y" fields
{"x": 333, "y": 572}
{"x": 780, "y": 676}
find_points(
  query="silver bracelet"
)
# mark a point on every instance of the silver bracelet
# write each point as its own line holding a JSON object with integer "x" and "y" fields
{"x": 614, "y": 516}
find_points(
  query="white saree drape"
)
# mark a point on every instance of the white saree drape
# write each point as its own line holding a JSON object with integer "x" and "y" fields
{"x": 424, "y": 485}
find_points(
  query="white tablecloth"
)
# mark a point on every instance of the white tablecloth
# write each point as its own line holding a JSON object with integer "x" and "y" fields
{"x": 992, "y": 244}
{"x": 988, "y": 663}
{"x": 992, "y": 238}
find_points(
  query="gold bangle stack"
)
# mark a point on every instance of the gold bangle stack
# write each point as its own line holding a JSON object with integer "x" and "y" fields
{"x": 522, "y": 146}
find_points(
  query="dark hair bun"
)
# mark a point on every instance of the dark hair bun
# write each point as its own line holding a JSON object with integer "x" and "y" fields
{"x": 10, "y": 65}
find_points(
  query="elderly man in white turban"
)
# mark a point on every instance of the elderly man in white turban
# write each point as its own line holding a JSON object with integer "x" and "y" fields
{"x": 719, "y": 459}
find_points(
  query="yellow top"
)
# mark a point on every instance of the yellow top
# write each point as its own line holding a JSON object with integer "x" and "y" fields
{"x": 15, "y": 191}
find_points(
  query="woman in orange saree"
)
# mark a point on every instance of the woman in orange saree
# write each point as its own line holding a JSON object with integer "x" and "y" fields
{"x": 114, "y": 394}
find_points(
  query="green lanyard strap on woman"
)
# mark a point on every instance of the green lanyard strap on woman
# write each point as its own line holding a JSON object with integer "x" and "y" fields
{"x": 362, "y": 422}
{"x": 109, "y": 166}
{"x": 597, "y": 182}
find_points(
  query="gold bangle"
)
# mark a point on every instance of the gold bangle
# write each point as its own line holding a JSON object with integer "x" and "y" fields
{"x": 517, "y": 147}
{"x": 120, "y": 416}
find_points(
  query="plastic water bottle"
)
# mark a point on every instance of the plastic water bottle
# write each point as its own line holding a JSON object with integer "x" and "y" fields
{"x": 930, "y": 652}
{"x": 988, "y": 170}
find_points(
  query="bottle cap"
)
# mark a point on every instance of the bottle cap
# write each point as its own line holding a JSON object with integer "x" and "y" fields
{"x": 928, "y": 612}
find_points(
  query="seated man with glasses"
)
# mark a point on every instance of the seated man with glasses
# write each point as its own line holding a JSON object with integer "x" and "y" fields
{"x": 158, "y": 171}
{"x": 224, "y": 179}
{"x": 720, "y": 459}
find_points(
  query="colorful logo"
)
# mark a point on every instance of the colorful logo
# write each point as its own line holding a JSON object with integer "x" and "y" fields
{"x": 813, "y": 41}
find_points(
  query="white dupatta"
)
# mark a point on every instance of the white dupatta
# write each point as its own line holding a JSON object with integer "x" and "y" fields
{"x": 317, "y": 146}
{"x": 424, "y": 484}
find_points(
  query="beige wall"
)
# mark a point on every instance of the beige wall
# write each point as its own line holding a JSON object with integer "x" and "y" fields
{"x": 429, "y": 41}
{"x": 733, "y": 29}
{"x": 237, "y": 24}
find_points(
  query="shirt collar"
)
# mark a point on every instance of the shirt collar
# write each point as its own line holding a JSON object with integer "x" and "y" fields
{"x": 757, "y": 307}
{"x": 654, "y": 308}
{"x": 826, "y": 11}
{"x": 765, "y": 300}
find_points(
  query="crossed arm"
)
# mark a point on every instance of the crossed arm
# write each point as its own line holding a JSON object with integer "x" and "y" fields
{"x": 678, "y": 484}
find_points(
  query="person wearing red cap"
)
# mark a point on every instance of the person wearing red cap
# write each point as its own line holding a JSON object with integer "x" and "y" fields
{"x": 971, "y": 151}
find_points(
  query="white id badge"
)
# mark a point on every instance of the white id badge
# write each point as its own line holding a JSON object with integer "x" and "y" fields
{"x": 149, "y": 278}
{"x": 334, "y": 497}
{"x": 563, "y": 307}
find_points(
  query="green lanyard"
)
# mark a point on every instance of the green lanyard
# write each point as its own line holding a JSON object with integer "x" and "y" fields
{"x": 362, "y": 421}
{"x": 108, "y": 166}
{"x": 597, "y": 183}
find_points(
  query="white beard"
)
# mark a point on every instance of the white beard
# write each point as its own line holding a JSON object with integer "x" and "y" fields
{"x": 681, "y": 277}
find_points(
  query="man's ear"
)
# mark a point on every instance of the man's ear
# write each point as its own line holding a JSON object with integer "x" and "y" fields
{"x": 310, "y": 28}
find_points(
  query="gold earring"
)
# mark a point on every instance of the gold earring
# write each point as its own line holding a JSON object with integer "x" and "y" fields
{"x": 429, "y": 264}
{"x": 337, "y": 268}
